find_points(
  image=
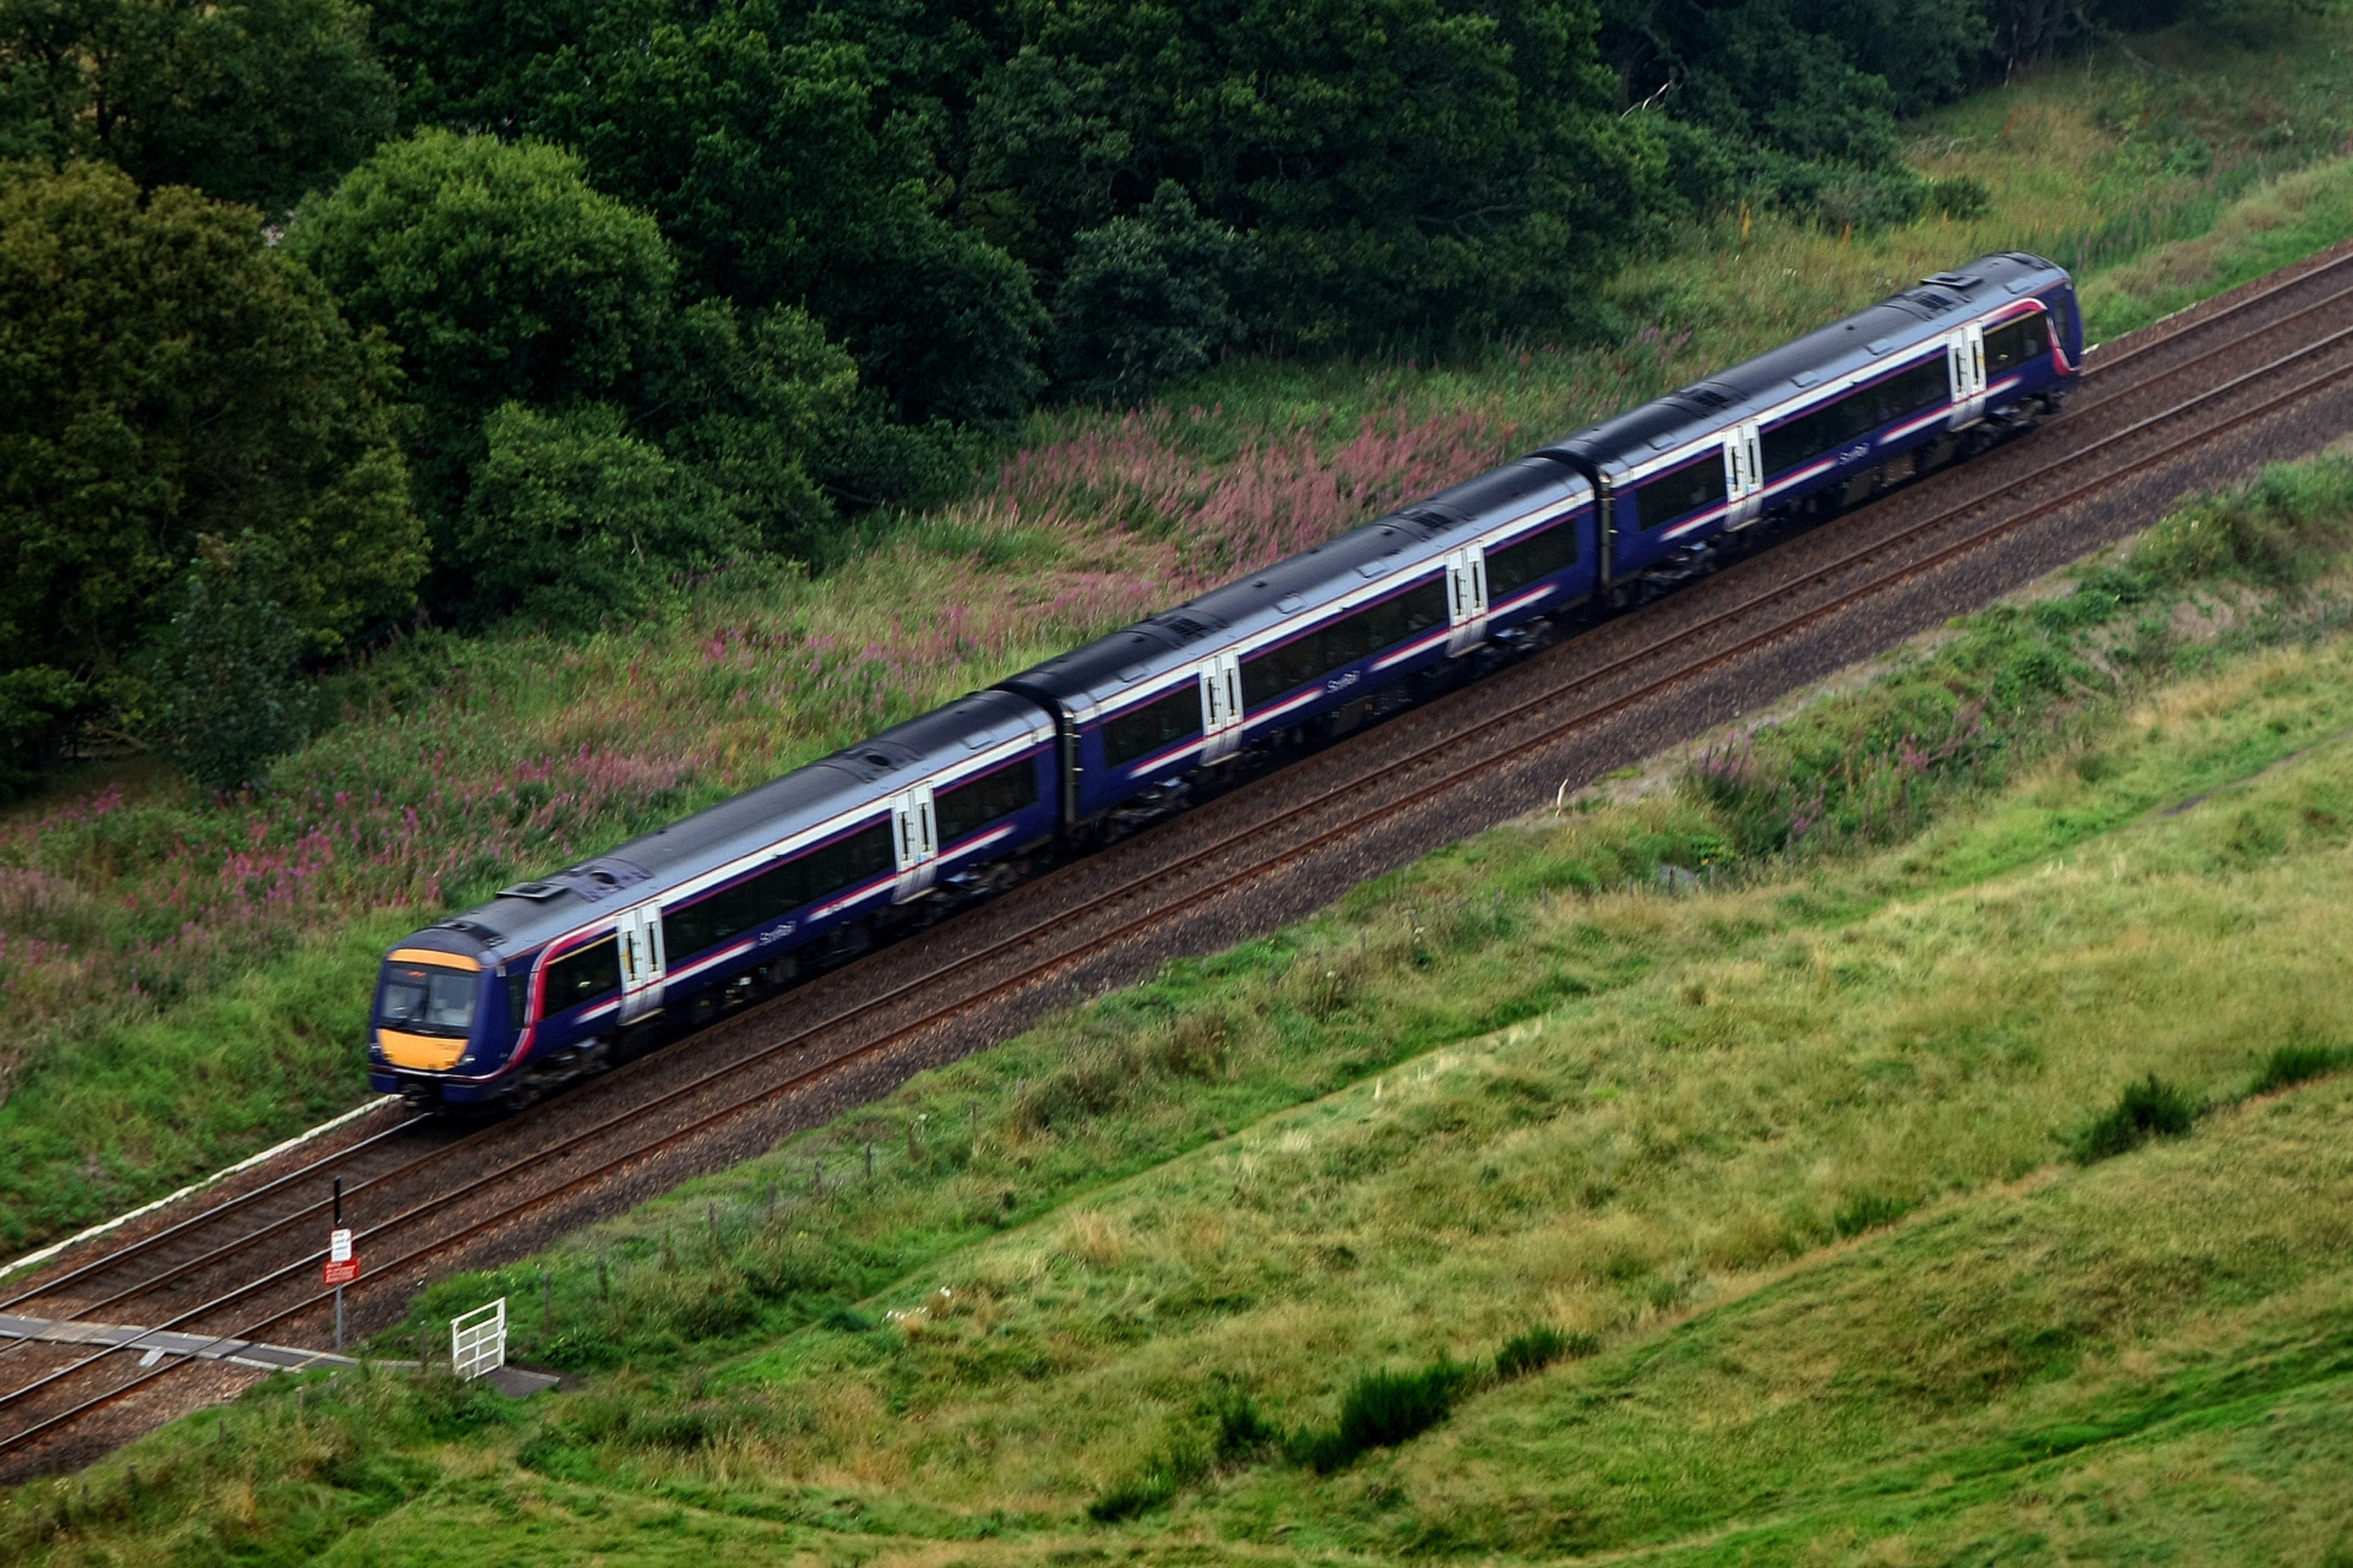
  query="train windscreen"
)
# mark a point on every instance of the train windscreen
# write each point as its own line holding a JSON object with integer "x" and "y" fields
{"x": 424, "y": 999}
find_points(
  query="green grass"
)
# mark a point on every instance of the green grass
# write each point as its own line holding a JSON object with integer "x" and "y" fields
{"x": 185, "y": 979}
{"x": 1760, "y": 1201}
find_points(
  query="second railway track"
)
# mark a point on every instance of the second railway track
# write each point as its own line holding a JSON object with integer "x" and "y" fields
{"x": 427, "y": 1199}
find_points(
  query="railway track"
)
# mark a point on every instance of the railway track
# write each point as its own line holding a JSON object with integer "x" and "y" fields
{"x": 429, "y": 1196}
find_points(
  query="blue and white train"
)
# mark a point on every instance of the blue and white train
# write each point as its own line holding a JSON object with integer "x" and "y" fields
{"x": 558, "y": 977}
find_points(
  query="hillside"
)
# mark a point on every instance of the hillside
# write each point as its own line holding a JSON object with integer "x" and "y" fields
{"x": 1960, "y": 1180}
{"x": 187, "y": 979}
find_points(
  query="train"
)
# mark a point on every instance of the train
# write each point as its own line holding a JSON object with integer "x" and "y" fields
{"x": 560, "y": 977}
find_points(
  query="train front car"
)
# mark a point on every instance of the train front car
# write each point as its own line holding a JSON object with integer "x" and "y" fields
{"x": 562, "y": 975}
{"x": 437, "y": 1007}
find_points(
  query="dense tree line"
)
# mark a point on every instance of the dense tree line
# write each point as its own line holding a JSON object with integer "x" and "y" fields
{"x": 308, "y": 314}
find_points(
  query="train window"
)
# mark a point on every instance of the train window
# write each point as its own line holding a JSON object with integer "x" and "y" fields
{"x": 983, "y": 800}
{"x": 582, "y": 975}
{"x": 2011, "y": 346}
{"x": 429, "y": 1000}
{"x": 518, "y": 998}
{"x": 779, "y": 890}
{"x": 1344, "y": 642}
{"x": 1825, "y": 429}
{"x": 1536, "y": 555}
{"x": 1164, "y": 722}
{"x": 1925, "y": 386}
{"x": 1685, "y": 491}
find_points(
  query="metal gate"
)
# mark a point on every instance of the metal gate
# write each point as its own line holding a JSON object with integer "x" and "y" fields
{"x": 477, "y": 1340}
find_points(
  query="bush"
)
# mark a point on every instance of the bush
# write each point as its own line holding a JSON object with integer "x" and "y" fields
{"x": 2292, "y": 1065}
{"x": 230, "y": 695}
{"x": 2279, "y": 530}
{"x": 1381, "y": 1410}
{"x": 2151, "y": 1107}
{"x": 1144, "y": 300}
{"x": 1533, "y": 1350}
{"x": 573, "y": 519}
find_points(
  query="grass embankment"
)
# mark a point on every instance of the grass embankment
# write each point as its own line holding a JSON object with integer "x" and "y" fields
{"x": 1764, "y": 1216}
{"x": 184, "y": 981}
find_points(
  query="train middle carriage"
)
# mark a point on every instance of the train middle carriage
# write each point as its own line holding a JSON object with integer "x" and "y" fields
{"x": 1316, "y": 644}
{"x": 1831, "y": 419}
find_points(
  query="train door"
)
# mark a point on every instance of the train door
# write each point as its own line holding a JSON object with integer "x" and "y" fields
{"x": 1221, "y": 708}
{"x": 1965, "y": 357}
{"x": 640, "y": 938}
{"x": 1744, "y": 474}
{"x": 1466, "y": 597}
{"x": 914, "y": 841}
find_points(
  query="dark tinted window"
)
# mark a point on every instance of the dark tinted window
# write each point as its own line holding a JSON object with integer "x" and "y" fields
{"x": 1344, "y": 641}
{"x": 981, "y": 801}
{"x": 1685, "y": 491}
{"x": 582, "y": 975}
{"x": 1163, "y": 722}
{"x": 518, "y": 997}
{"x": 1523, "y": 560}
{"x": 2009, "y": 347}
{"x": 1825, "y": 429}
{"x": 777, "y": 891}
{"x": 1925, "y": 386}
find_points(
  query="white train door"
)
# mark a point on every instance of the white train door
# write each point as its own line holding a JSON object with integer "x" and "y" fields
{"x": 1744, "y": 474}
{"x": 1466, "y": 598}
{"x": 1965, "y": 358}
{"x": 638, "y": 935}
{"x": 1221, "y": 708}
{"x": 914, "y": 841}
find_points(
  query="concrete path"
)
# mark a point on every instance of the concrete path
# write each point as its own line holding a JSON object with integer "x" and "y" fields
{"x": 156, "y": 1344}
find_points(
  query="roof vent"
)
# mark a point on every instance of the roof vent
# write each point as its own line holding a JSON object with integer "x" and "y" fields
{"x": 599, "y": 879}
{"x": 1289, "y": 603}
{"x": 536, "y": 890}
{"x": 879, "y": 759}
{"x": 1187, "y": 628}
{"x": 1705, "y": 396}
{"x": 1953, "y": 279}
{"x": 978, "y": 740}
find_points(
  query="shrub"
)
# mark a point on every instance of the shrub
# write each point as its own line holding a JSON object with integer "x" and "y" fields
{"x": 1868, "y": 1212}
{"x": 1533, "y": 1350}
{"x": 1242, "y": 1430}
{"x": 1381, "y": 1410}
{"x": 2279, "y": 530}
{"x": 228, "y": 694}
{"x": 2290, "y": 1065}
{"x": 2150, "y": 1108}
{"x": 1144, "y": 300}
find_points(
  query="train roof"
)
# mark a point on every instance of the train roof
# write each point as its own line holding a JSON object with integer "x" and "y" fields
{"x": 1172, "y": 640}
{"x": 1905, "y": 321}
{"x": 528, "y": 913}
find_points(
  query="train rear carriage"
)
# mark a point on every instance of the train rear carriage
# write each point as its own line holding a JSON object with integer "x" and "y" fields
{"x": 545, "y": 982}
{"x": 1314, "y": 645}
{"x": 1834, "y": 417}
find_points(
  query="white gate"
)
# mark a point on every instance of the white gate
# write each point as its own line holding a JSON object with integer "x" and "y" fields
{"x": 1221, "y": 708}
{"x": 1965, "y": 358}
{"x": 914, "y": 841}
{"x": 1744, "y": 474}
{"x": 1466, "y": 598}
{"x": 478, "y": 1342}
{"x": 639, "y": 932}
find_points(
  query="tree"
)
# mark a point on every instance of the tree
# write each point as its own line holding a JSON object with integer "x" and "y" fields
{"x": 572, "y": 519}
{"x": 754, "y": 136}
{"x": 167, "y": 379}
{"x": 228, "y": 688}
{"x": 502, "y": 276}
{"x": 254, "y": 101}
{"x": 1145, "y": 299}
{"x": 1401, "y": 168}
